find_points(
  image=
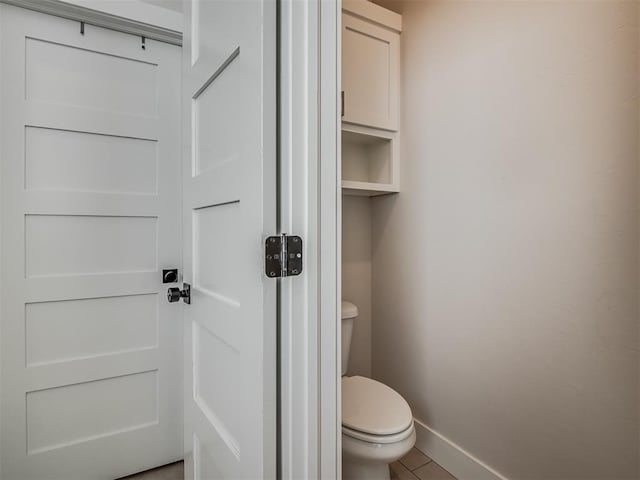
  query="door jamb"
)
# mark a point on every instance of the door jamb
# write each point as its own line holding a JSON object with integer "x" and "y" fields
{"x": 310, "y": 206}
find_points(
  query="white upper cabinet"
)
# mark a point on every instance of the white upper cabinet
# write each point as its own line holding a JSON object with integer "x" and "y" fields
{"x": 370, "y": 65}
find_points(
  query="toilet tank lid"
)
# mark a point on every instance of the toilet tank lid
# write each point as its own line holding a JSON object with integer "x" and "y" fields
{"x": 349, "y": 310}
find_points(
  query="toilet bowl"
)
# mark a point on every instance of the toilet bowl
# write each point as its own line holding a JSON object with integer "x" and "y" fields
{"x": 377, "y": 424}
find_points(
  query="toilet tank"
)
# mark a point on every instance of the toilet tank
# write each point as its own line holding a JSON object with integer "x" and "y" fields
{"x": 349, "y": 313}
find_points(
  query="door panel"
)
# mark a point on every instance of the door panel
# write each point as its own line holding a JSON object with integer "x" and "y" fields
{"x": 102, "y": 171}
{"x": 51, "y": 424}
{"x": 58, "y": 245}
{"x": 229, "y": 178}
{"x": 77, "y": 75}
{"x": 80, "y": 328}
{"x": 91, "y": 351}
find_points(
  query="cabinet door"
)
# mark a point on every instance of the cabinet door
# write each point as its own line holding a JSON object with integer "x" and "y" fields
{"x": 370, "y": 73}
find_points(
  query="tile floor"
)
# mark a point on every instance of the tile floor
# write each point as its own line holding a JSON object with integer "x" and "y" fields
{"x": 413, "y": 466}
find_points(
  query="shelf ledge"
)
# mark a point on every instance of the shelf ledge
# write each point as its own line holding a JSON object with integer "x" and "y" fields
{"x": 367, "y": 189}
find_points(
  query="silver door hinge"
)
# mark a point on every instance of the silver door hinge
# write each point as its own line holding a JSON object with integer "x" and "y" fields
{"x": 283, "y": 256}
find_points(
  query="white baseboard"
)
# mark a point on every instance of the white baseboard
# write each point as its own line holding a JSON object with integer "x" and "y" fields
{"x": 460, "y": 463}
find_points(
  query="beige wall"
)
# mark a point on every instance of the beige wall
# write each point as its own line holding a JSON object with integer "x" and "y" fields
{"x": 356, "y": 278}
{"x": 505, "y": 275}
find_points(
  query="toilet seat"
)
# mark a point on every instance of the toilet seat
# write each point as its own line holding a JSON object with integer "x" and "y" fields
{"x": 373, "y": 412}
{"x": 382, "y": 439}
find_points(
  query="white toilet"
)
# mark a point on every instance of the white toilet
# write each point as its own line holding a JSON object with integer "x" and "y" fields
{"x": 377, "y": 424}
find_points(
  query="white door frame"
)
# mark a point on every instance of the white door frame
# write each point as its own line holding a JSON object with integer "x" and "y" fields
{"x": 311, "y": 203}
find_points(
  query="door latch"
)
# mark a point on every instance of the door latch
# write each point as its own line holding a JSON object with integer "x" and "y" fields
{"x": 283, "y": 256}
{"x": 174, "y": 294}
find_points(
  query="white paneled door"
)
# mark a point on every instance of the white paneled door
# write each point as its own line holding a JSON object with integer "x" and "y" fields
{"x": 229, "y": 180}
{"x": 91, "y": 352}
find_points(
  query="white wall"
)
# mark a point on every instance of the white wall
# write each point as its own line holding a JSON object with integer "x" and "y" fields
{"x": 175, "y": 5}
{"x": 161, "y": 13}
{"x": 505, "y": 274}
{"x": 356, "y": 277}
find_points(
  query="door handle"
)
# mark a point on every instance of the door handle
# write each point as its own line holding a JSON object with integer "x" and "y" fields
{"x": 174, "y": 294}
